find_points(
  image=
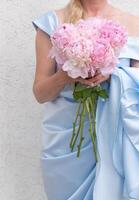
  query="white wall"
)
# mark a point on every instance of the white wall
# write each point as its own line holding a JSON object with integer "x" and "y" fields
{"x": 20, "y": 114}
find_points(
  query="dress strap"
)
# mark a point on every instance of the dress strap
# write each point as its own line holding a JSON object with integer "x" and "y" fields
{"x": 47, "y": 22}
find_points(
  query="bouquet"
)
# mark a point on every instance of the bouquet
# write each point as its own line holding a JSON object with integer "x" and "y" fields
{"x": 81, "y": 49}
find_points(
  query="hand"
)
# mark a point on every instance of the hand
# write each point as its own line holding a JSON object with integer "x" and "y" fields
{"x": 95, "y": 80}
{"x": 92, "y": 81}
{"x": 63, "y": 75}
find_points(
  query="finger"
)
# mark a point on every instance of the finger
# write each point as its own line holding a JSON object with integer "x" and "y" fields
{"x": 92, "y": 81}
{"x": 100, "y": 81}
{"x": 95, "y": 78}
{"x": 97, "y": 72}
{"x": 99, "y": 77}
{"x": 90, "y": 76}
{"x": 81, "y": 80}
{"x": 78, "y": 79}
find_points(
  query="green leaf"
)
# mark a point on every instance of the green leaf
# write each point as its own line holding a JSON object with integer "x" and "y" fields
{"x": 103, "y": 94}
{"x": 87, "y": 93}
{"x": 80, "y": 87}
{"x": 82, "y": 92}
{"x": 77, "y": 95}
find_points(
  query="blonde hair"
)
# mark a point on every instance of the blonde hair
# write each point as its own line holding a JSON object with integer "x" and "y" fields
{"x": 76, "y": 11}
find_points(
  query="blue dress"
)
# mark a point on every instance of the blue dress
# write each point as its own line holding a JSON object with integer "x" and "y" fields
{"x": 116, "y": 175}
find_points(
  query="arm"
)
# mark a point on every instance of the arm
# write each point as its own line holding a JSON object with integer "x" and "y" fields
{"x": 134, "y": 63}
{"x": 47, "y": 83}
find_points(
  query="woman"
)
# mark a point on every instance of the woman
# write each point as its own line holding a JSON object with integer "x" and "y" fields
{"x": 65, "y": 176}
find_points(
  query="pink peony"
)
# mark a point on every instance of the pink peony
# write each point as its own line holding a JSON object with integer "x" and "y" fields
{"x": 116, "y": 33}
{"x": 74, "y": 71}
{"x": 87, "y": 46}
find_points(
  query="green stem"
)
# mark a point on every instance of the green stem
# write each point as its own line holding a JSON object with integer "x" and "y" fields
{"x": 93, "y": 108}
{"x": 91, "y": 129}
{"x": 82, "y": 129}
{"x": 78, "y": 131}
{"x": 74, "y": 125}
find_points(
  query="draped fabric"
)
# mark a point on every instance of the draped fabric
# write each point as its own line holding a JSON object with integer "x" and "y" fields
{"x": 118, "y": 138}
{"x": 116, "y": 175}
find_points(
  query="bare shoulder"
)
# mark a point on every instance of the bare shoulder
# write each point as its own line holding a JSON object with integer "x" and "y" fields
{"x": 130, "y": 21}
{"x": 62, "y": 14}
{"x": 132, "y": 24}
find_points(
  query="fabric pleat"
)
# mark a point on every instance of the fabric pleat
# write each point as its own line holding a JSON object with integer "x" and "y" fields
{"x": 116, "y": 174}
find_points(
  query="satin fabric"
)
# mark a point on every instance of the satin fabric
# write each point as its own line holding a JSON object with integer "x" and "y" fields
{"x": 116, "y": 175}
{"x": 118, "y": 138}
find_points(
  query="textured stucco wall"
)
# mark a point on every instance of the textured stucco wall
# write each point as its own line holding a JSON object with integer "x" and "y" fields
{"x": 20, "y": 115}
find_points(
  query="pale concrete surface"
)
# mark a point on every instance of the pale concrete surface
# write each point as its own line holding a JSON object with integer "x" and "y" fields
{"x": 20, "y": 142}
